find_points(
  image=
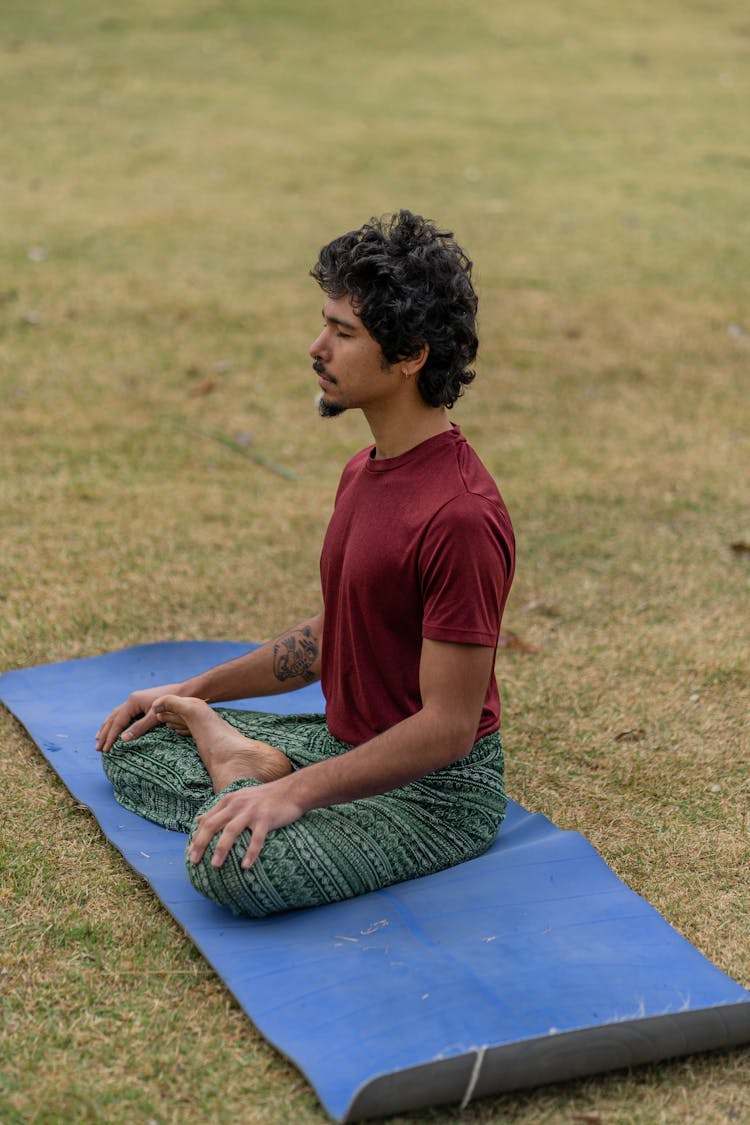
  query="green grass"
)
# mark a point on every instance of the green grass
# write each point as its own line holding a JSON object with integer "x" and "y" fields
{"x": 169, "y": 170}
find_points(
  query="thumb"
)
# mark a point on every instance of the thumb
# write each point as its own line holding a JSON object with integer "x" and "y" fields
{"x": 147, "y": 723}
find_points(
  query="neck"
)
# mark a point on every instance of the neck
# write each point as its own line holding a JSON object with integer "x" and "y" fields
{"x": 397, "y": 433}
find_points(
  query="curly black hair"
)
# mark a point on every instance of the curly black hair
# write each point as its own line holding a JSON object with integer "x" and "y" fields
{"x": 410, "y": 284}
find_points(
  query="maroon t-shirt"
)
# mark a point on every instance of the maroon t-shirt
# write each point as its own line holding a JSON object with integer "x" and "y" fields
{"x": 419, "y": 546}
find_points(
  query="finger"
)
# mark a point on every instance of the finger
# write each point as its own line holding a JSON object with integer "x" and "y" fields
{"x": 109, "y": 730}
{"x": 108, "y": 733}
{"x": 224, "y": 845}
{"x": 101, "y": 735}
{"x": 112, "y": 727}
{"x": 208, "y": 825}
{"x": 142, "y": 726}
{"x": 197, "y": 847}
{"x": 257, "y": 840}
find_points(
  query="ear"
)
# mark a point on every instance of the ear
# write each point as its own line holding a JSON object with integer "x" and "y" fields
{"x": 414, "y": 364}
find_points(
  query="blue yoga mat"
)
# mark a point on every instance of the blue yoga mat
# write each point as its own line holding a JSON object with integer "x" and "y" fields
{"x": 531, "y": 964}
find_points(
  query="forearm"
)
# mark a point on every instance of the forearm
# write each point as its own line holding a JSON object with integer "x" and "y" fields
{"x": 453, "y": 684}
{"x": 283, "y": 664}
{"x": 412, "y": 748}
{"x": 288, "y": 662}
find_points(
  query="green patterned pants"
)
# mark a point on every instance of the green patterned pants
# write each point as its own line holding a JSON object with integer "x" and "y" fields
{"x": 330, "y": 854}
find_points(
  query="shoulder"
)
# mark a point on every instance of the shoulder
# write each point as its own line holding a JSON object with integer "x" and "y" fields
{"x": 358, "y": 460}
{"x": 476, "y": 523}
{"x": 471, "y": 511}
{"x": 353, "y": 468}
{"x": 475, "y": 476}
{"x": 476, "y": 496}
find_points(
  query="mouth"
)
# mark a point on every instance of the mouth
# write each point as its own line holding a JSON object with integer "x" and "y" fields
{"x": 324, "y": 379}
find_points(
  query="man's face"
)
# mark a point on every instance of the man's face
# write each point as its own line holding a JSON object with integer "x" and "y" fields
{"x": 351, "y": 368}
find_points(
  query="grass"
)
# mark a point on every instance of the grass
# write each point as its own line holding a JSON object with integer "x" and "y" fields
{"x": 168, "y": 173}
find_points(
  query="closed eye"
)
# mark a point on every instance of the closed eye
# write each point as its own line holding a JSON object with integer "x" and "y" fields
{"x": 340, "y": 325}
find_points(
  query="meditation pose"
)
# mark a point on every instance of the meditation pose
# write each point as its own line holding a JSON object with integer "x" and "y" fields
{"x": 403, "y": 775}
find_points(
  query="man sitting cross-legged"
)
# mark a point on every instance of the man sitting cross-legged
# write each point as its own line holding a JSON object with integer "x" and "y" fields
{"x": 403, "y": 775}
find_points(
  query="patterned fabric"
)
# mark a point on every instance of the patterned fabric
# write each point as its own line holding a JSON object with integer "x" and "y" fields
{"x": 161, "y": 775}
{"x": 330, "y": 854}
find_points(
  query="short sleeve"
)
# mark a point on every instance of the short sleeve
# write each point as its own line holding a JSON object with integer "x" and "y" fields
{"x": 466, "y": 564}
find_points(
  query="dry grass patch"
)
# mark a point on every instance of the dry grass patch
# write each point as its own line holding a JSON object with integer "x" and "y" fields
{"x": 170, "y": 170}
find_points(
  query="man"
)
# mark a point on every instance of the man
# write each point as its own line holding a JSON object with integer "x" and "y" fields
{"x": 404, "y": 774}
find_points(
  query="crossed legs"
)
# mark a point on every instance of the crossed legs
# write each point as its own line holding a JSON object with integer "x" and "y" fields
{"x": 327, "y": 855}
{"x": 227, "y": 754}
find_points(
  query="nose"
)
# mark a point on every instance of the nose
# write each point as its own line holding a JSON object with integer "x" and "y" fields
{"x": 318, "y": 346}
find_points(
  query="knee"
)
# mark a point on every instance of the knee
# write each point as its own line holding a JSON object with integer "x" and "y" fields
{"x": 243, "y": 892}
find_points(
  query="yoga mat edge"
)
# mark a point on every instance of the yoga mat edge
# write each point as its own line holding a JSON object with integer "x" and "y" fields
{"x": 508, "y": 972}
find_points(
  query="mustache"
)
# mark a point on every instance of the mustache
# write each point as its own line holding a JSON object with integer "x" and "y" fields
{"x": 319, "y": 369}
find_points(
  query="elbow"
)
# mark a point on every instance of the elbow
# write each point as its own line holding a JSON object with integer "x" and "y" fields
{"x": 464, "y": 741}
{"x": 458, "y": 733}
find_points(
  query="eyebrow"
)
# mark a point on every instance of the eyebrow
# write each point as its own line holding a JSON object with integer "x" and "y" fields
{"x": 338, "y": 320}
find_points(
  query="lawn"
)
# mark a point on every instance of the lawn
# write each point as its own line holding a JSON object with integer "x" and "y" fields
{"x": 168, "y": 171}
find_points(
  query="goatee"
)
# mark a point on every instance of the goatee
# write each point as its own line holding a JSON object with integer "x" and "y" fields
{"x": 328, "y": 409}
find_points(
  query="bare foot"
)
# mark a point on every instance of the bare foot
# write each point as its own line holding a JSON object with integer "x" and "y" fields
{"x": 227, "y": 755}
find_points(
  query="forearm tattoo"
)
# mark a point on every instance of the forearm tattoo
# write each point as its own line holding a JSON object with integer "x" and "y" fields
{"x": 294, "y": 655}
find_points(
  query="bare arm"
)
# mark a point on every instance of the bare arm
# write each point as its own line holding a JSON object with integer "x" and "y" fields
{"x": 289, "y": 661}
{"x": 453, "y": 684}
